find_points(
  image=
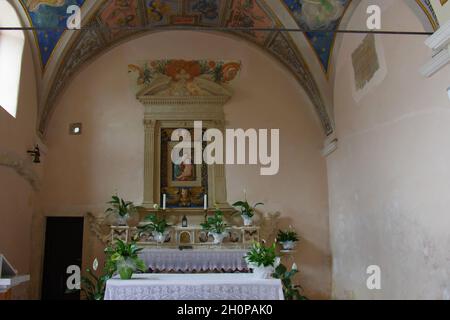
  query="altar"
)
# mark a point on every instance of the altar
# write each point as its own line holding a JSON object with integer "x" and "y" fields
{"x": 187, "y": 256}
{"x": 221, "y": 286}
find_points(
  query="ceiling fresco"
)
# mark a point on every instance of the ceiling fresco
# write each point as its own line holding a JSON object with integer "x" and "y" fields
{"x": 48, "y": 14}
{"x": 112, "y": 21}
{"x": 318, "y": 15}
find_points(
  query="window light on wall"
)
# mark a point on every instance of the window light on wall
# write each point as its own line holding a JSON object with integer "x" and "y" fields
{"x": 11, "y": 51}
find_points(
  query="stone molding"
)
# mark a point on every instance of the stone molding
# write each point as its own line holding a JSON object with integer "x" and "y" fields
{"x": 22, "y": 167}
{"x": 439, "y": 42}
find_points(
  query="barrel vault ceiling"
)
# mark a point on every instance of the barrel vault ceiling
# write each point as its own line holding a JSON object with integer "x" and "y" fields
{"x": 60, "y": 54}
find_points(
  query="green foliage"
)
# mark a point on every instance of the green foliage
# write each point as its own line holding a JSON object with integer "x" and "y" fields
{"x": 215, "y": 224}
{"x": 290, "y": 290}
{"x": 121, "y": 207}
{"x": 123, "y": 258}
{"x": 154, "y": 224}
{"x": 94, "y": 286}
{"x": 261, "y": 256}
{"x": 245, "y": 209}
{"x": 289, "y": 235}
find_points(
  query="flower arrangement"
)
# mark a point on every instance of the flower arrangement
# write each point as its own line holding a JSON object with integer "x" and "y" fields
{"x": 263, "y": 260}
{"x": 157, "y": 226}
{"x": 121, "y": 209}
{"x": 246, "y": 211}
{"x": 216, "y": 226}
{"x": 261, "y": 256}
{"x": 289, "y": 235}
{"x": 122, "y": 258}
{"x": 287, "y": 238}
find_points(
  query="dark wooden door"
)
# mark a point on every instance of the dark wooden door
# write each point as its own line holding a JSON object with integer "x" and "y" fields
{"x": 63, "y": 248}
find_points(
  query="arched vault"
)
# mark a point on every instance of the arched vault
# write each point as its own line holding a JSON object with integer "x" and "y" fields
{"x": 60, "y": 54}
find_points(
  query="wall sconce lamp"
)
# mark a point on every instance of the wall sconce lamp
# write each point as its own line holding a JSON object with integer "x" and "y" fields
{"x": 36, "y": 154}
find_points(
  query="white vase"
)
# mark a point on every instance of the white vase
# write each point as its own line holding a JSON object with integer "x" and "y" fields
{"x": 160, "y": 237}
{"x": 247, "y": 220}
{"x": 263, "y": 272}
{"x": 122, "y": 220}
{"x": 288, "y": 245}
{"x": 218, "y": 237}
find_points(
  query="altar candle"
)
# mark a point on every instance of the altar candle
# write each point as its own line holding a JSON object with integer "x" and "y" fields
{"x": 205, "y": 202}
{"x": 164, "y": 201}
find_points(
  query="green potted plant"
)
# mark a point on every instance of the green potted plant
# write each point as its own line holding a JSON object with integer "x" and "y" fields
{"x": 216, "y": 226}
{"x": 121, "y": 210}
{"x": 122, "y": 258}
{"x": 263, "y": 260}
{"x": 290, "y": 290}
{"x": 157, "y": 226}
{"x": 287, "y": 239}
{"x": 246, "y": 211}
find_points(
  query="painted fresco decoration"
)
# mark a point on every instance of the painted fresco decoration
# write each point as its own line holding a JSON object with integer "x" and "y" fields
{"x": 159, "y": 11}
{"x": 250, "y": 14}
{"x": 318, "y": 15}
{"x": 210, "y": 11}
{"x": 118, "y": 14}
{"x": 49, "y": 14}
{"x": 208, "y": 8}
{"x": 182, "y": 77}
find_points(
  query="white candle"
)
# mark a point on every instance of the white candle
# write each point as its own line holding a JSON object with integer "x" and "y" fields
{"x": 164, "y": 201}
{"x": 205, "y": 202}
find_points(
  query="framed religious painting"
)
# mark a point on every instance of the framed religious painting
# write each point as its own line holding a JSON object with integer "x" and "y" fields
{"x": 186, "y": 173}
{"x": 183, "y": 183}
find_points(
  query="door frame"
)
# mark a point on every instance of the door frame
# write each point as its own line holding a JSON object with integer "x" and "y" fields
{"x": 39, "y": 228}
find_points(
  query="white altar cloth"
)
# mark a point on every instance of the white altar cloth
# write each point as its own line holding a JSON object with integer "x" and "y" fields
{"x": 218, "y": 286}
{"x": 194, "y": 259}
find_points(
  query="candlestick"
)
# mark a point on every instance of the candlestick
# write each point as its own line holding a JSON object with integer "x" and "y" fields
{"x": 205, "y": 202}
{"x": 164, "y": 201}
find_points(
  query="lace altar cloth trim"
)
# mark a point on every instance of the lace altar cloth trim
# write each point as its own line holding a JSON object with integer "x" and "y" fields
{"x": 195, "y": 259}
{"x": 194, "y": 287}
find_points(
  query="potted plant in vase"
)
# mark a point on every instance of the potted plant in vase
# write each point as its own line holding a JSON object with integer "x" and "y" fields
{"x": 263, "y": 260}
{"x": 246, "y": 211}
{"x": 216, "y": 226}
{"x": 121, "y": 209}
{"x": 122, "y": 258}
{"x": 157, "y": 226}
{"x": 287, "y": 239}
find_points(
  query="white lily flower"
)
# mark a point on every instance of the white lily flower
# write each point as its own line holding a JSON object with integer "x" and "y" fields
{"x": 294, "y": 266}
{"x": 277, "y": 262}
{"x": 95, "y": 264}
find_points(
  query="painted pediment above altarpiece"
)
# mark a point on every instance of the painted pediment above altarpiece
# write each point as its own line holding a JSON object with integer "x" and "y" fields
{"x": 183, "y": 78}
